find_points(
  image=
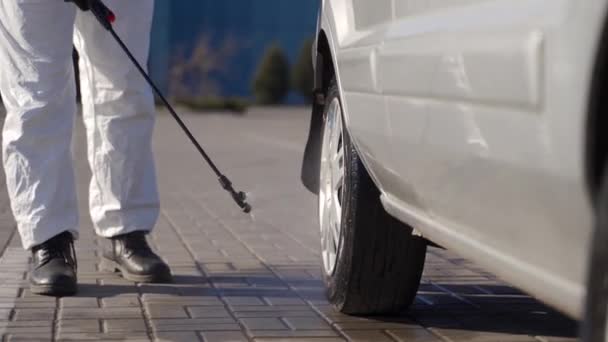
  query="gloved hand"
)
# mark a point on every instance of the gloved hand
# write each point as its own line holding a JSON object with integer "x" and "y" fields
{"x": 84, "y": 5}
{"x": 105, "y": 16}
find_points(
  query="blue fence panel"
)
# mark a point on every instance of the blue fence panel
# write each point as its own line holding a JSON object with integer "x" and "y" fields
{"x": 253, "y": 24}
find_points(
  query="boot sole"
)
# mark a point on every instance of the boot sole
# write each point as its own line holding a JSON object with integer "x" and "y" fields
{"x": 54, "y": 290}
{"x": 113, "y": 266}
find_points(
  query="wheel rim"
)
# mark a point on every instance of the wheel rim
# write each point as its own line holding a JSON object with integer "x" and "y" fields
{"x": 331, "y": 187}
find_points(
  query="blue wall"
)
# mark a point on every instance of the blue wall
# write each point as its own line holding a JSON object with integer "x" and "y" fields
{"x": 254, "y": 24}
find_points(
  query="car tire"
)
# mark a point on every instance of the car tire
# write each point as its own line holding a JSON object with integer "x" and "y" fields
{"x": 377, "y": 262}
{"x": 595, "y": 325}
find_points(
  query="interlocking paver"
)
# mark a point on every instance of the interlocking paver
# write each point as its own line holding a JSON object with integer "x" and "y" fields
{"x": 277, "y": 314}
{"x": 248, "y": 278}
{"x": 224, "y": 336}
{"x": 20, "y": 330}
{"x": 166, "y": 311}
{"x": 412, "y": 335}
{"x": 70, "y": 302}
{"x": 264, "y": 323}
{"x": 243, "y": 300}
{"x": 368, "y": 335}
{"x": 177, "y": 337}
{"x": 29, "y": 337}
{"x": 301, "y": 339}
{"x": 197, "y": 324}
{"x": 100, "y": 313}
{"x": 34, "y": 314}
{"x": 106, "y": 336}
{"x": 80, "y": 326}
{"x": 185, "y": 300}
{"x": 292, "y": 334}
{"x": 10, "y": 292}
{"x": 29, "y": 303}
{"x": 126, "y": 300}
{"x": 124, "y": 325}
{"x": 306, "y": 323}
{"x": 208, "y": 312}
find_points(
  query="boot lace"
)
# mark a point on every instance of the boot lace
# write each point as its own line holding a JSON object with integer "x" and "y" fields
{"x": 136, "y": 243}
{"x": 59, "y": 247}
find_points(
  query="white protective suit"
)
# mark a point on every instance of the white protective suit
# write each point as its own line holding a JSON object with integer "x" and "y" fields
{"x": 38, "y": 89}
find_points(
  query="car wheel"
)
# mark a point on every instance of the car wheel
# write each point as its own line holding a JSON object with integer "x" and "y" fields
{"x": 372, "y": 263}
{"x": 595, "y": 324}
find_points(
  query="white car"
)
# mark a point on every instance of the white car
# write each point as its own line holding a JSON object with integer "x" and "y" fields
{"x": 474, "y": 124}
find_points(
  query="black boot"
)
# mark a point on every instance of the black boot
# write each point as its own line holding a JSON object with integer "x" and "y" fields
{"x": 53, "y": 269}
{"x": 134, "y": 259}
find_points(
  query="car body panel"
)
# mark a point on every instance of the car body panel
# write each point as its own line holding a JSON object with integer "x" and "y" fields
{"x": 470, "y": 116}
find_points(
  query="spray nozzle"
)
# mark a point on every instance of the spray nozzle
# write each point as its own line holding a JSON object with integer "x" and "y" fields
{"x": 239, "y": 197}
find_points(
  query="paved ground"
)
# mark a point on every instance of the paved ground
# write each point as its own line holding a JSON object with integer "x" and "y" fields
{"x": 242, "y": 278}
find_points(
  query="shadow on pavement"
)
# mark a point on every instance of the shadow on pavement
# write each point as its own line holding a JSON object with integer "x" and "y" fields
{"x": 461, "y": 310}
{"x": 488, "y": 308}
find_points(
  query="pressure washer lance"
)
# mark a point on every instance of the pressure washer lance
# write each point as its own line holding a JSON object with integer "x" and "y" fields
{"x": 106, "y": 17}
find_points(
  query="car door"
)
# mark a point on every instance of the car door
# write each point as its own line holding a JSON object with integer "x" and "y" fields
{"x": 366, "y": 115}
{"x": 470, "y": 137}
{"x": 403, "y": 75}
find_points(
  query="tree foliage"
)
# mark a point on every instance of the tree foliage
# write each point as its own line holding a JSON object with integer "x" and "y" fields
{"x": 303, "y": 74}
{"x": 271, "y": 82}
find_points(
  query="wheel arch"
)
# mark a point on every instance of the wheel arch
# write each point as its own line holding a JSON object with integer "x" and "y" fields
{"x": 324, "y": 72}
{"x": 596, "y": 158}
{"x": 596, "y": 145}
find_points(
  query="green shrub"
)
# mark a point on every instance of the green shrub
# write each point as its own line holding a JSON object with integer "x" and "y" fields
{"x": 302, "y": 75}
{"x": 231, "y": 104}
{"x": 271, "y": 82}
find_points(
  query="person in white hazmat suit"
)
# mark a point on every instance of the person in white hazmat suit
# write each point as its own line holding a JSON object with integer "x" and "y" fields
{"x": 39, "y": 92}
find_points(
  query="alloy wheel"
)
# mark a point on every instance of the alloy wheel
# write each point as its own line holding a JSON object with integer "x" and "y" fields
{"x": 331, "y": 186}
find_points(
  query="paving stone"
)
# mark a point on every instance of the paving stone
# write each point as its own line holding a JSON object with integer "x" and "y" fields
{"x": 34, "y": 314}
{"x": 284, "y": 301}
{"x": 166, "y": 311}
{"x": 125, "y": 300}
{"x": 244, "y": 300}
{"x": 79, "y": 326}
{"x": 300, "y": 339}
{"x": 276, "y": 314}
{"x": 29, "y": 337}
{"x": 265, "y": 323}
{"x": 306, "y": 323}
{"x": 185, "y": 300}
{"x": 290, "y": 333}
{"x": 79, "y": 302}
{"x": 198, "y": 324}
{"x": 113, "y": 282}
{"x": 18, "y": 330}
{"x": 177, "y": 337}
{"x": 208, "y": 312}
{"x": 131, "y": 337}
{"x": 359, "y": 325}
{"x": 224, "y": 336}
{"x": 24, "y": 324}
{"x": 100, "y": 313}
{"x": 412, "y": 335}
{"x": 5, "y": 313}
{"x": 10, "y": 292}
{"x": 124, "y": 325}
{"x": 367, "y": 335}
{"x": 268, "y": 308}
